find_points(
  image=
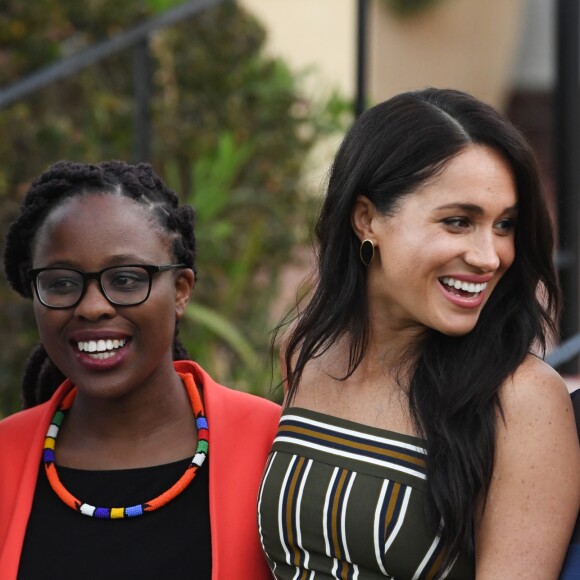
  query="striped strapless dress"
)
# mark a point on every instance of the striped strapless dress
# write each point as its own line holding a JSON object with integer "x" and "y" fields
{"x": 343, "y": 500}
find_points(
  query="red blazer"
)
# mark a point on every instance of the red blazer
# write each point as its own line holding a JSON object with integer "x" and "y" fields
{"x": 234, "y": 475}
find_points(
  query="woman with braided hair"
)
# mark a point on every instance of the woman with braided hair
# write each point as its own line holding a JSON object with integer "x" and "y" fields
{"x": 118, "y": 424}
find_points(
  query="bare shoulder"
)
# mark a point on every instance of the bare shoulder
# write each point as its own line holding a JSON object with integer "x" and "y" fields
{"x": 535, "y": 387}
{"x": 534, "y": 492}
{"x": 535, "y": 371}
{"x": 538, "y": 419}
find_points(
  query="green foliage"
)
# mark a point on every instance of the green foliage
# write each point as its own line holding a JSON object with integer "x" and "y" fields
{"x": 161, "y": 5}
{"x": 231, "y": 132}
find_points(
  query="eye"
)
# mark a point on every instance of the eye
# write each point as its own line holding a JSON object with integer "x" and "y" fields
{"x": 61, "y": 285}
{"x": 58, "y": 281}
{"x": 456, "y": 223}
{"x": 505, "y": 226}
{"x": 127, "y": 279}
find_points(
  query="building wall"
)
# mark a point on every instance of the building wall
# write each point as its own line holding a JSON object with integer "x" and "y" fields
{"x": 316, "y": 35}
{"x": 470, "y": 45}
{"x": 467, "y": 44}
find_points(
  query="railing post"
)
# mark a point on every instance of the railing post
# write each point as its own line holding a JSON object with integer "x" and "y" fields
{"x": 142, "y": 74}
{"x": 361, "y": 57}
{"x": 567, "y": 150}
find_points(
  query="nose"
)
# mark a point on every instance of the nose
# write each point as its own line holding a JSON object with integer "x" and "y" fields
{"x": 94, "y": 304}
{"x": 483, "y": 252}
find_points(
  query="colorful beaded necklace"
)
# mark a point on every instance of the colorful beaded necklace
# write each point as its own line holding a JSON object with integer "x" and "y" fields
{"x": 142, "y": 508}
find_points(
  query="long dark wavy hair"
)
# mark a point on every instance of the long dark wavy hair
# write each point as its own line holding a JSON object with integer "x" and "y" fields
{"x": 67, "y": 179}
{"x": 388, "y": 153}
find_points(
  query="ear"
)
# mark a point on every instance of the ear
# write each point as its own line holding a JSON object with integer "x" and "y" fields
{"x": 362, "y": 218}
{"x": 184, "y": 283}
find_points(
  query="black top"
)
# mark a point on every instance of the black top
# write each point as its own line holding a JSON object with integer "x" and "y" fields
{"x": 576, "y": 405}
{"x": 171, "y": 542}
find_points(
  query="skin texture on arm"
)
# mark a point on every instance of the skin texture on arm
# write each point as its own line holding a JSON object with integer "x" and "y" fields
{"x": 535, "y": 487}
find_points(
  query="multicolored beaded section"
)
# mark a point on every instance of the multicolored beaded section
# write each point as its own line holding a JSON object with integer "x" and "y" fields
{"x": 142, "y": 508}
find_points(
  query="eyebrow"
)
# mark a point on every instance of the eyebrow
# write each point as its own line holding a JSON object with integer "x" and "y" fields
{"x": 115, "y": 260}
{"x": 125, "y": 259}
{"x": 472, "y": 208}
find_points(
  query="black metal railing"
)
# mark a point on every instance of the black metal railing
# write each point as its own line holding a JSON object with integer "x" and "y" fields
{"x": 136, "y": 38}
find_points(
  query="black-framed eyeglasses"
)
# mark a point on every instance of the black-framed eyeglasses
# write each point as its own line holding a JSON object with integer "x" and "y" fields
{"x": 128, "y": 285}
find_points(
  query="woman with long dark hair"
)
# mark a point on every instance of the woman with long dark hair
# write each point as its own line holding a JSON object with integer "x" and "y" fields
{"x": 423, "y": 436}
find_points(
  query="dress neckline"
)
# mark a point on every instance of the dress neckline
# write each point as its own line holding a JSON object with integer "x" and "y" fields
{"x": 352, "y": 425}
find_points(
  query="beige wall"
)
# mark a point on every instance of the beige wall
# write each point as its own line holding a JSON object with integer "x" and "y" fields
{"x": 318, "y": 34}
{"x": 466, "y": 44}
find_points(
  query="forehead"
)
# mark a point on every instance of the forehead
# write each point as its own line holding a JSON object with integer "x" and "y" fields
{"x": 102, "y": 224}
{"x": 479, "y": 176}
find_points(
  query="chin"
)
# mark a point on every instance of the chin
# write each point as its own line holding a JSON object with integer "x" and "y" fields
{"x": 456, "y": 333}
{"x": 456, "y": 330}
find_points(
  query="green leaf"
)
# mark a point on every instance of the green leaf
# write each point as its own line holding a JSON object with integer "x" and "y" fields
{"x": 157, "y": 6}
{"x": 215, "y": 174}
{"x": 224, "y": 329}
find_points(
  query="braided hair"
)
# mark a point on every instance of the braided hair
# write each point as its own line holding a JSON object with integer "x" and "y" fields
{"x": 64, "y": 180}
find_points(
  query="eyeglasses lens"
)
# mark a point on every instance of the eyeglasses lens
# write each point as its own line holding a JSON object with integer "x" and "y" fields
{"x": 124, "y": 285}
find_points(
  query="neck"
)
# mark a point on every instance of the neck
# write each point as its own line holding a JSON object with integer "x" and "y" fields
{"x": 393, "y": 338}
{"x": 150, "y": 427}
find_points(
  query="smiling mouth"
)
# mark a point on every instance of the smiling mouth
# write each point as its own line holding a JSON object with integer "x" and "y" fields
{"x": 463, "y": 289}
{"x": 101, "y": 349}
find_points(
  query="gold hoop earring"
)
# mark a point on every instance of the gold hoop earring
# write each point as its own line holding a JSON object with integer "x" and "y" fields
{"x": 367, "y": 252}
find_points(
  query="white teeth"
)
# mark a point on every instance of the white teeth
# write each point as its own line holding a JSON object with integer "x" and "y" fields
{"x": 465, "y": 286}
{"x": 101, "y": 346}
{"x": 102, "y": 355}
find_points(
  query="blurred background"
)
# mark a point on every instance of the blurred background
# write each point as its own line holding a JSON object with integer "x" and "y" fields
{"x": 240, "y": 106}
